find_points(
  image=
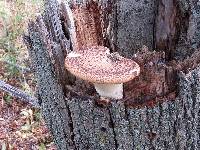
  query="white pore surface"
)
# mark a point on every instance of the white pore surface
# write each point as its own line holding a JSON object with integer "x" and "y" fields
{"x": 110, "y": 90}
{"x": 73, "y": 54}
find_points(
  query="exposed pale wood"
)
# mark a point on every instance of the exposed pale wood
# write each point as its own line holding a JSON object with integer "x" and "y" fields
{"x": 56, "y": 39}
{"x": 88, "y": 23}
{"x": 69, "y": 23}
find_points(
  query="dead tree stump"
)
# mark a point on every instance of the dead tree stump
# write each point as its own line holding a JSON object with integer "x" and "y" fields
{"x": 160, "y": 109}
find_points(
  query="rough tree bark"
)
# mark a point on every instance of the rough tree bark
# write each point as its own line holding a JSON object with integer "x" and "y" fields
{"x": 160, "y": 109}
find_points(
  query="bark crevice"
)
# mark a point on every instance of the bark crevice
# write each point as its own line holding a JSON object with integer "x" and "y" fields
{"x": 71, "y": 126}
{"x": 112, "y": 125}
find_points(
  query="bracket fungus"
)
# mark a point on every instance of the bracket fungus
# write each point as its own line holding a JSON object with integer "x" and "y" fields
{"x": 107, "y": 71}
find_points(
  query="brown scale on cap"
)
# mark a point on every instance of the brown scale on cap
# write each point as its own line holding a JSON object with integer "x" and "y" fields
{"x": 97, "y": 65}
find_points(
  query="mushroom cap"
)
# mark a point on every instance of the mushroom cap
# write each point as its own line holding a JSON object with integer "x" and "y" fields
{"x": 97, "y": 65}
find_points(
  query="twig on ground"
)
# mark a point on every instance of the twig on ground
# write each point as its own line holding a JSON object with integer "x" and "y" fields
{"x": 19, "y": 93}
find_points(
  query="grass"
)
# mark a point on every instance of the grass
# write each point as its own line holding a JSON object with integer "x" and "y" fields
{"x": 14, "y": 18}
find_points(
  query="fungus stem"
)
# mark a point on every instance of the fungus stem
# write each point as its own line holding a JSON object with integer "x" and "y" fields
{"x": 110, "y": 90}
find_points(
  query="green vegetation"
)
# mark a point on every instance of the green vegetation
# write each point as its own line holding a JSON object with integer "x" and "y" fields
{"x": 14, "y": 18}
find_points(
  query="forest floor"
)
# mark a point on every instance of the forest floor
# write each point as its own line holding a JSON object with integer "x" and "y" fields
{"x": 21, "y": 127}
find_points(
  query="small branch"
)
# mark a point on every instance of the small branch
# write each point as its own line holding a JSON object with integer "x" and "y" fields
{"x": 19, "y": 93}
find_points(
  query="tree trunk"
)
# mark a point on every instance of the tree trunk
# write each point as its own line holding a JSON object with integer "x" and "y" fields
{"x": 160, "y": 108}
